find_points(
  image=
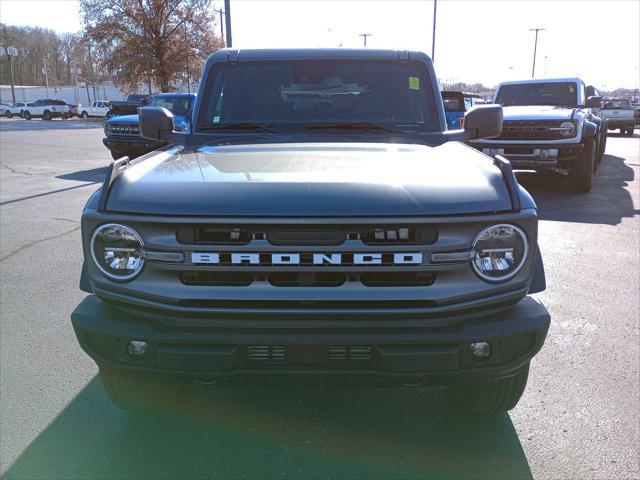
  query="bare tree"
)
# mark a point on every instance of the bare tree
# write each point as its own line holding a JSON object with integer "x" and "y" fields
{"x": 139, "y": 39}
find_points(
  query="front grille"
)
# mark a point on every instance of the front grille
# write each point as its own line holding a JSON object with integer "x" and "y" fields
{"x": 308, "y": 235}
{"x": 533, "y": 130}
{"x": 308, "y": 279}
{"x": 122, "y": 130}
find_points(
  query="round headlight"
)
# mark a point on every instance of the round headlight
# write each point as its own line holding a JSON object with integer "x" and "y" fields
{"x": 499, "y": 252}
{"x": 117, "y": 251}
{"x": 567, "y": 129}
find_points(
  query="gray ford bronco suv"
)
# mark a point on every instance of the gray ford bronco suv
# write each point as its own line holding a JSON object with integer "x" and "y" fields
{"x": 318, "y": 221}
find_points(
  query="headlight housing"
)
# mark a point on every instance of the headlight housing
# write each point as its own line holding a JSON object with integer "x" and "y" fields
{"x": 499, "y": 252}
{"x": 117, "y": 251}
{"x": 567, "y": 129}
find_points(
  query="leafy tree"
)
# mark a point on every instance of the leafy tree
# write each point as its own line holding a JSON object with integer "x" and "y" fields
{"x": 150, "y": 40}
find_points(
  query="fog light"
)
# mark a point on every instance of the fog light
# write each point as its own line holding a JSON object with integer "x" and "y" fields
{"x": 137, "y": 348}
{"x": 480, "y": 350}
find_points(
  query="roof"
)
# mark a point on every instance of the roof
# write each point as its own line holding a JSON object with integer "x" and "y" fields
{"x": 466, "y": 94}
{"x": 314, "y": 54}
{"x": 175, "y": 94}
{"x": 543, "y": 80}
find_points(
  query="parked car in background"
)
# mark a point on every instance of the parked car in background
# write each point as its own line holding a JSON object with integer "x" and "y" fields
{"x": 73, "y": 110}
{"x": 46, "y": 109}
{"x": 455, "y": 104}
{"x": 129, "y": 106}
{"x": 4, "y": 107}
{"x": 99, "y": 108}
{"x": 16, "y": 109}
{"x": 122, "y": 135}
{"x": 550, "y": 125}
{"x": 621, "y": 114}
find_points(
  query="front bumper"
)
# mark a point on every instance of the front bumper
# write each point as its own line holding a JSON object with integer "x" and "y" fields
{"x": 534, "y": 156}
{"x": 135, "y": 145}
{"x": 430, "y": 355}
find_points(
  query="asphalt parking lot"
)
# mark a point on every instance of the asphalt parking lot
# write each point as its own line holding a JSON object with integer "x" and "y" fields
{"x": 578, "y": 418}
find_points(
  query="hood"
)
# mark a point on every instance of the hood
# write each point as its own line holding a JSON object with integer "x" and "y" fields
{"x": 127, "y": 119}
{"x": 312, "y": 179}
{"x": 537, "y": 112}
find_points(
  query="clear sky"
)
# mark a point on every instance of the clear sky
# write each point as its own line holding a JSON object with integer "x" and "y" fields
{"x": 476, "y": 41}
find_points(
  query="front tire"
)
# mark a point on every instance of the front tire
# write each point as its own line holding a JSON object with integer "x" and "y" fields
{"x": 84, "y": 115}
{"x": 629, "y": 132}
{"x": 26, "y": 115}
{"x": 46, "y": 115}
{"x": 581, "y": 174}
{"x": 138, "y": 391}
{"x": 490, "y": 396}
{"x": 9, "y": 115}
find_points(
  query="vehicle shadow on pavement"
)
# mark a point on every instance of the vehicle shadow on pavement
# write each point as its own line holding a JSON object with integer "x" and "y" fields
{"x": 267, "y": 432}
{"x": 95, "y": 175}
{"x": 20, "y": 125}
{"x": 607, "y": 203}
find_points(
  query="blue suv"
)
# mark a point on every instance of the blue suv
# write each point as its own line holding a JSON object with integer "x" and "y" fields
{"x": 123, "y": 133}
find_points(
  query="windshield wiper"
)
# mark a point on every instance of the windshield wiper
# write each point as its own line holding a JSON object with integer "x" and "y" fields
{"x": 351, "y": 126}
{"x": 255, "y": 127}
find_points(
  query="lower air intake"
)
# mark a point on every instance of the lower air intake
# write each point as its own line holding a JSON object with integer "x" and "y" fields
{"x": 267, "y": 354}
{"x": 348, "y": 353}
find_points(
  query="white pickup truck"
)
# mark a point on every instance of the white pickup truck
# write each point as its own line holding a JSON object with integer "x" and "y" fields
{"x": 99, "y": 108}
{"x": 620, "y": 114}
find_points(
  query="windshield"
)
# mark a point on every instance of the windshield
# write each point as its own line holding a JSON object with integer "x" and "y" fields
{"x": 319, "y": 92}
{"x": 557, "y": 93}
{"x": 178, "y": 105}
{"x": 617, "y": 105}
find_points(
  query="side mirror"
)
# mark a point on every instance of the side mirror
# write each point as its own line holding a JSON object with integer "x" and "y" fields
{"x": 483, "y": 121}
{"x": 156, "y": 123}
{"x": 594, "y": 102}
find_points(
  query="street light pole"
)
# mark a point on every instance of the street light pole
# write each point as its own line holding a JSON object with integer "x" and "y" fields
{"x": 433, "y": 39}
{"x": 535, "y": 50}
{"x": 364, "y": 36}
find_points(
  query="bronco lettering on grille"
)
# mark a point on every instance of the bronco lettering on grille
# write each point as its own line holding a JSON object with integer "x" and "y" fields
{"x": 246, "y": 258}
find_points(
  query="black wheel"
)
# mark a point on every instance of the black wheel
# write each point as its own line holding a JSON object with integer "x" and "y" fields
{"x": 622, "y": 131}
{"x": 26, "y": 115}
{"x": 581, "y": 174}
{"x": 9, "y": 115}
{"x": 603, "y": 146}
{"x": 138, "y": 391}
{"x": 490, "y": 396}
{"x": 629, "y": 132}
{"x": 46, "y": 115}
{"x": 84, "y": 115}
{"x": 65, "y": 116}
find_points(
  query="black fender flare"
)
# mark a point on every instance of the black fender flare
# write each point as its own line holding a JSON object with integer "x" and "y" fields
{"x": 539, "y": 280}
{"x": 589, "y": 129}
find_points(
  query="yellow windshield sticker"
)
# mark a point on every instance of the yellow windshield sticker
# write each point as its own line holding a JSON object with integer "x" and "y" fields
{"x": 414, "y": 83}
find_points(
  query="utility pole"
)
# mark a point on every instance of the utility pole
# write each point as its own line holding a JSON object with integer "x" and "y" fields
{"x": 364, "y": 36}
{"x": 93, "y": 77}
{"x": 76, "y": 93}
{"x": 45, "y": 72}
{"x": 433, "y": 38}
{"x": 146, "y": 58}
{"x": 535, "y": 49}
{"x": 221, "y": 12}
{"x": 186, "y": 46}
{"x": 227, "y": 10}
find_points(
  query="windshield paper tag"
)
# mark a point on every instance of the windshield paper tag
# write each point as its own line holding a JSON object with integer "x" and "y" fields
{"x": 414, "y": 83}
